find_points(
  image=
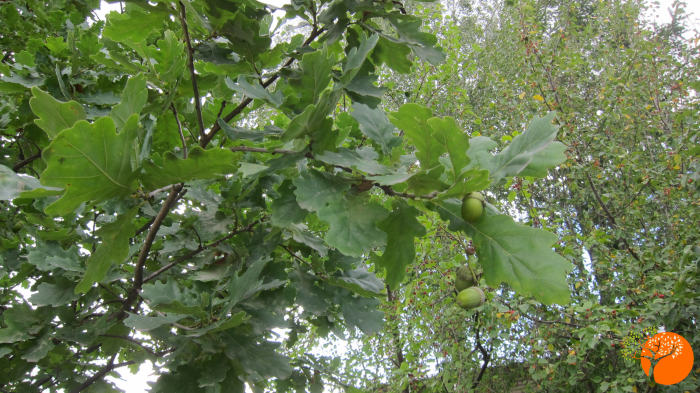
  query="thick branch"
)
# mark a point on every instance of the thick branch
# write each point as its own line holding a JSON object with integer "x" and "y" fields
{"x": 190, "y": 64}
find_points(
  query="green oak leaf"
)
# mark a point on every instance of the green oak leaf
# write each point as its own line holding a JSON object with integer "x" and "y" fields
{"x": 135, "y": 26}
{"x": 358, "y": 311}
{"x": 364, "y": 85}
{"x": 199, "y": 164}
{"x": 255, "y": 91}
{"x": 471, "y": 180}
{"x": 262, "y": 358}
{"x": 236, "y": 133}
{"x": 413, "y": 120}
{"x": 170, "y": 57}
{"x": 13, "y": 185}
{"x": 60, "y": 293}
{"x": 89, "y": 44}
{"x": 316, "y": 189}
{"x": 161, "y": 293}
{"x": 454, "y": 141}
{"x": 133, "y": 100}
{"x": 91, "y": 162}
{"x": 359, "y": 280}
{"x": 362, "y": 159}
{"x": 425, "y": 182}
{"x": 389, "y": 180}
{"x": 310, "y": 294}
{"x": 286, "y": 209}
{"x": 374, "y": 124}
{"x": 215, "y": 371}
{"x": 393, "y": 55}
{"x": 314, "y": 118}
{"x": 316, "y": 74}
{"x": 357, "y": 56}
{"x": 144, "y": 324}
{"x": 243, "y": 286}
{"x": 352, "y": 220}
{"x": 519, "y": 255}
{"x": 514, "y": 158}
{"x": 549, "y": 157}
{"x": 422, "y": 44}
{"x": 402, "y": 228}
{"x": 301, "y": 235}
{"x": 22, "y": 322}
{"x": 220, "y": 325}
{"x": 42, "y": 345}
{"x": 114, "y": 248}
{"x": 54, "y": 116}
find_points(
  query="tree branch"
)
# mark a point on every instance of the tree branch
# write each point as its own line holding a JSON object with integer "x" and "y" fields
{"x": 484, "y": 353}
{"x": 138, "y": 270}
{"x": 190, "y": 64}
{"x": 101, "y": 373}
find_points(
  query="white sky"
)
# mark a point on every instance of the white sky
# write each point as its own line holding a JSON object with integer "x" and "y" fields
{"x": 136, "y": 383}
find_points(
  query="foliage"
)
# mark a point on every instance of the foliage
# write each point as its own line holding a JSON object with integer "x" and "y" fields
{"x": 181, "y": 181}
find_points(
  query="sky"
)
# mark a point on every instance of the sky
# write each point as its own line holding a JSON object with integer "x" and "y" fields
{"x": 136, "y": 383}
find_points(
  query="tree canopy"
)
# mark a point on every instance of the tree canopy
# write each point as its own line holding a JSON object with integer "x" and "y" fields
{"x": 221, "y": 188}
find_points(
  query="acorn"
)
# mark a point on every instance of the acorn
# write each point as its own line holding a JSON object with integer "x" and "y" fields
{"x": 465, "y": 278}
{"x": 471, "y": 298}
{"x": 472, "y": 207}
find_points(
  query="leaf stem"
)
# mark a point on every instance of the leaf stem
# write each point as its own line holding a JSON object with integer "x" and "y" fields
{"x": 179, "y": 130}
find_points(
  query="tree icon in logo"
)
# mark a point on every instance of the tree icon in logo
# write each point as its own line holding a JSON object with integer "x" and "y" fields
{"x": 666, "y": 358}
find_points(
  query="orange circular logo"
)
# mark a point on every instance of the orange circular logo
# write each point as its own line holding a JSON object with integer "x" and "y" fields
{"x": 667, "y": 357}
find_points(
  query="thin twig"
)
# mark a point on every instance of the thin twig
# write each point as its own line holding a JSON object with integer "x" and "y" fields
{"x": 160, "y": 271}
{"x": 179, "y": 129}
{"x": 133, "y": 340}
{"x": 389, "y": 191}
{"x": 190, "y": 64}
{"x": 26, "y": 161}
{"x": 307, "y": 154}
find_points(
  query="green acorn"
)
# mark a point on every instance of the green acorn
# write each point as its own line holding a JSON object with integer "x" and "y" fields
{"x": 472, "y": 207}
{"x": 465, "y": 278}
{"x": 471, "y": 298}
